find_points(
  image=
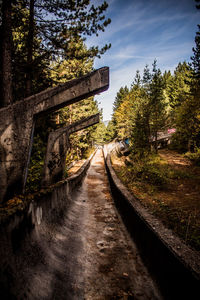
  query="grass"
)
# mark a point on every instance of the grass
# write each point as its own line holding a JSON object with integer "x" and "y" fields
{"x": 168, "y": 185}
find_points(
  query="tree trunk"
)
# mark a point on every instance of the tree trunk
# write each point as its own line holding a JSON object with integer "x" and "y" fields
{"x": 29, "y": 75}
{"x": 7, "y": 97}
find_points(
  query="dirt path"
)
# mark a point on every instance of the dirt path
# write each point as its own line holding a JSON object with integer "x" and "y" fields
{"x": 174, "y": 158}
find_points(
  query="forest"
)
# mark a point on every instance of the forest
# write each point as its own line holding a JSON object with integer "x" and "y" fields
{"x": 44, "y": 44}
{"x": 166, "y": 180}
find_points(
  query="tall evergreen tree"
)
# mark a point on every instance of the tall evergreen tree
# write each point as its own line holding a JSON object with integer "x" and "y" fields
{"x": 46, "y": 31}
{"x": 137, "y": 80}
{"x": 157, "y": 105}
{"x": 146, "y": 76}
{"x": 188, "y": 112}
{"x": 121, "y": 94}
{"x": 196, "y": 58}
{"x": 178, "y": 87}
{"x": 57, "y": 23}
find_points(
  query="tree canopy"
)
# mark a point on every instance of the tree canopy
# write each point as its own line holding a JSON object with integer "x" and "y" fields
{"x": 38, "y": 35}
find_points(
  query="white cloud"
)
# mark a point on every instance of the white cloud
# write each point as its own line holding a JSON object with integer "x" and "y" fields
{"x": 140, "y": 33}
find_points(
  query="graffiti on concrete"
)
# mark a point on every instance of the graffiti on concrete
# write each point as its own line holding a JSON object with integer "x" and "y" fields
{"x": 57, "y": 146}
{"x": 17, "y": 125}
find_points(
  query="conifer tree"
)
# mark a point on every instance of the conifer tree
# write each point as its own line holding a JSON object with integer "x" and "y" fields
{"x": 157, "y": 105}
{"x": 50, "y": 31}
{"x": 196, "y": 58}
{"x": 121, "y": 94}
{"x": 178, "y": 87}
{"x": 146, "y": 76}
{"x": 137, "y": 80}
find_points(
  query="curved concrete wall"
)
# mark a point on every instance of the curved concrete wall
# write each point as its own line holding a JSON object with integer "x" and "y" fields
{"x": 22, "y": 233}
{"x": 174, "y": 266}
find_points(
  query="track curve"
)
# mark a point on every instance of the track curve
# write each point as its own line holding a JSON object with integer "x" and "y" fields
{"x": 87, "y": 254}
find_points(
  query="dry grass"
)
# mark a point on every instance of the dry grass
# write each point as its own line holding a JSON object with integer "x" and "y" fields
{"x": 172, "y": 195}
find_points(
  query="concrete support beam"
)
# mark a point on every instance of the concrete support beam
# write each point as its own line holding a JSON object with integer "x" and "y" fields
{"x": 57, "y": 146}
{"x": 17, "y": 125}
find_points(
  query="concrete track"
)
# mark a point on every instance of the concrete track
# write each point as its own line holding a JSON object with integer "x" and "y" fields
{"x": 88, "y": 254}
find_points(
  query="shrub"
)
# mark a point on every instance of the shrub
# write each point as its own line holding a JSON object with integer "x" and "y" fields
{"x": 194, "y": 157}
{"x": 153, "y": 175}
{"x": 178, "y": 143}
{"x": 149, "y": 172}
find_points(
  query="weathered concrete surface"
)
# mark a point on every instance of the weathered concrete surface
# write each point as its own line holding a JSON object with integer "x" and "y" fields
{"x": 112, "y": 265}
{"x": 175, "y": 266}
{"x": 57, "y": 146}
{"x": 17, "y": 125}
{"x": 23, "y": 233}
{"x": 84, "y": 254}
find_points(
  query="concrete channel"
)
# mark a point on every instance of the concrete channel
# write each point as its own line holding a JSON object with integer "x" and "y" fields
{"x": 86, "y": 252}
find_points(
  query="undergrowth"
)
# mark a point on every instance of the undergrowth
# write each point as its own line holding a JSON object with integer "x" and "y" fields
{"x": 154, "y": 182}
{"x": 154, "y": 170}
{"x": 194, "y": 156}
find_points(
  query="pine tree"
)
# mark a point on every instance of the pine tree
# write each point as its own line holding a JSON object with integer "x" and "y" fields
{"x": 140, "y": 128}
{"x": 50, "y": 31}
{"x": 121, "y": 94}
{"x": 110, "y": 132}
{"x": 178, "y": 87}
{"x": 196, "y": 58}
{"x": 146, "y": 76}
{"x": 137, "y": 80}
{"x": 187, "y": 112}
{"x": 57, "y": 23}
{"x": 157, "y": 105}
{"x": 123, "y": 117}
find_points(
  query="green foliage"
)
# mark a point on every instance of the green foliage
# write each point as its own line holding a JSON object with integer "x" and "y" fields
{"x": 148, "y": 169}
{"x": 48, "y": 42}
{"x": 140, "y": 134}
{"x": 177, "y": 87}
{"x": 99, "y": 134}
{"x": 110, "y": 132}
{"x": 58, "y": 54}
{"x": 185, "y": 98}
{"x": 160, "y": 101}
{"x": 156, "y": 104}
{"x": 194, "y": 156}
{"x": 196, "y": 57}
{"x": 36, "y": 165}
{"x": 84, "y": 139}
{"x": 123, "y": 92}
{"x": 122, "y": 118}
{"x": 141, "y": 112}
{"x": 67, "y": 69}
{"x": 151, "y": 175}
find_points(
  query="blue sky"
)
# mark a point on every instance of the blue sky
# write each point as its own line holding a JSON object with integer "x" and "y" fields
{"x": 140, "y": 31}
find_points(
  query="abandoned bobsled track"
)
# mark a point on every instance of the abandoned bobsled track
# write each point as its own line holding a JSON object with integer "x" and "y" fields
{"x": 74, "y": 245}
